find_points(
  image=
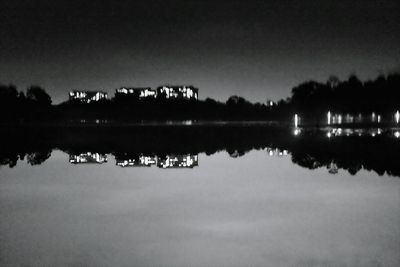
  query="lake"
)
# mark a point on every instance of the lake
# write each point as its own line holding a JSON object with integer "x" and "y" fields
{"x": 205, "y": 196}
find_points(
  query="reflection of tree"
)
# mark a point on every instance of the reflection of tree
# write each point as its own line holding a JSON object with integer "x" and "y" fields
{"x": 10, "y": 160}
{"x": 310, "y": 150}
{"x": 306, "y": 160}
{"x": 235, "y": 153}
{"x": 38, "y": 157}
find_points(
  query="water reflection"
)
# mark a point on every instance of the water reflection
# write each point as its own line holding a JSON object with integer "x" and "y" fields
{"x": 168, "y": 161}
{"x": 117, "y": 205}
{"x": 276, "y": 152}
{"x": 334, "y": 132}
{"x": 88, "y": 157}
{"x": 334, "y": 148}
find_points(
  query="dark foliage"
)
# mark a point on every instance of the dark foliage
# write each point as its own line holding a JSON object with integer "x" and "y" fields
{"x": 310, "y": 99}
{"x": 311, "y": 149}
{"x": 351, "y": 96}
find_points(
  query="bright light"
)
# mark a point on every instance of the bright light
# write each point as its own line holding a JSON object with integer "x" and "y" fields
{"x": 329, "y": 134}
{"x": 397, "y": 116}
{"x": 379, "y": 118}
{"x": 339, "y": 119}
{"x": 296, "y": 120}
{"x": 397, "y": 134}
{"x": 329, "y": 117}
{"x": 296, "y": 132}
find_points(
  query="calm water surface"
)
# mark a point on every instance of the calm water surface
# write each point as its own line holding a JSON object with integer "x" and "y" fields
{"x": 253, "y": 210}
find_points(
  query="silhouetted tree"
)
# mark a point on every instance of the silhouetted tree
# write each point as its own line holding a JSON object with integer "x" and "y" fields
{"x": 38, "y": 95}
{"x": 38, "y": 157}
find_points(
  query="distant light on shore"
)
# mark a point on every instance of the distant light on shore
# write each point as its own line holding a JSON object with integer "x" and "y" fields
{"x": 329, "y": 117}
{"x": 296, "y": 120}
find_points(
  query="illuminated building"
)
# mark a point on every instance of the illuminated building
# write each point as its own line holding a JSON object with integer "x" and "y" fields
{"x": 140, "y": 93}
{"x": 349, "y": 118}
{"x": 88, "y": 157}
{"x": 87, "y": 96}
{"x": 270, "y": 103}
{"x": 178, "y": 92}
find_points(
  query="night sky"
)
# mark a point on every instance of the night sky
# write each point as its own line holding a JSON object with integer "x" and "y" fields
{"x": 256, "y": 49}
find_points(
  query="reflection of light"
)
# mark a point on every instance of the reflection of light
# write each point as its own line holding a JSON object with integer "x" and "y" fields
{"x": 379, "y": 131}
{"x": 329, "y": 117}
{"x": 296, "y": 132}
{"x": 397, "y": 116}
{"x": 296, "y": 120}
{"x": 373, "y": 116}
{"x": 329, "y": 134}
{"x": 397, "y": 134}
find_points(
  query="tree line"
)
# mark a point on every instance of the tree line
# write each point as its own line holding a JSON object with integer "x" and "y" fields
{"x": 311, "y": 99}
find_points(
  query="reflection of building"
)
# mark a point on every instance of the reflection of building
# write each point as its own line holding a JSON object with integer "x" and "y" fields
{"x": 177, "y": 92}
{"x": 178, "y": 161}
{"x": 142, "y": 161}
{"x": 136, "y": 92}
{"x": 88, "y": 157}
{"x": 333, "y": 132}
{"x": 87, "y": 96}
{"x": 169, "y": 161}
{"x": 276, "y": 152}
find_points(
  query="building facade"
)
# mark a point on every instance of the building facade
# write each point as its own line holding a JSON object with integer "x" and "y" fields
{"x": 87, "y": 96}
{"x": 178, "y": 92}
{"x": 145, "y": 92}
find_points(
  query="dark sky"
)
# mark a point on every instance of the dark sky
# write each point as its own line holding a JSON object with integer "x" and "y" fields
{"x": 256, "y": 49}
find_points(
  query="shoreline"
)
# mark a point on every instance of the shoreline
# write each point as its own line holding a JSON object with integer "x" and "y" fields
{"x": 190, "y": 123}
